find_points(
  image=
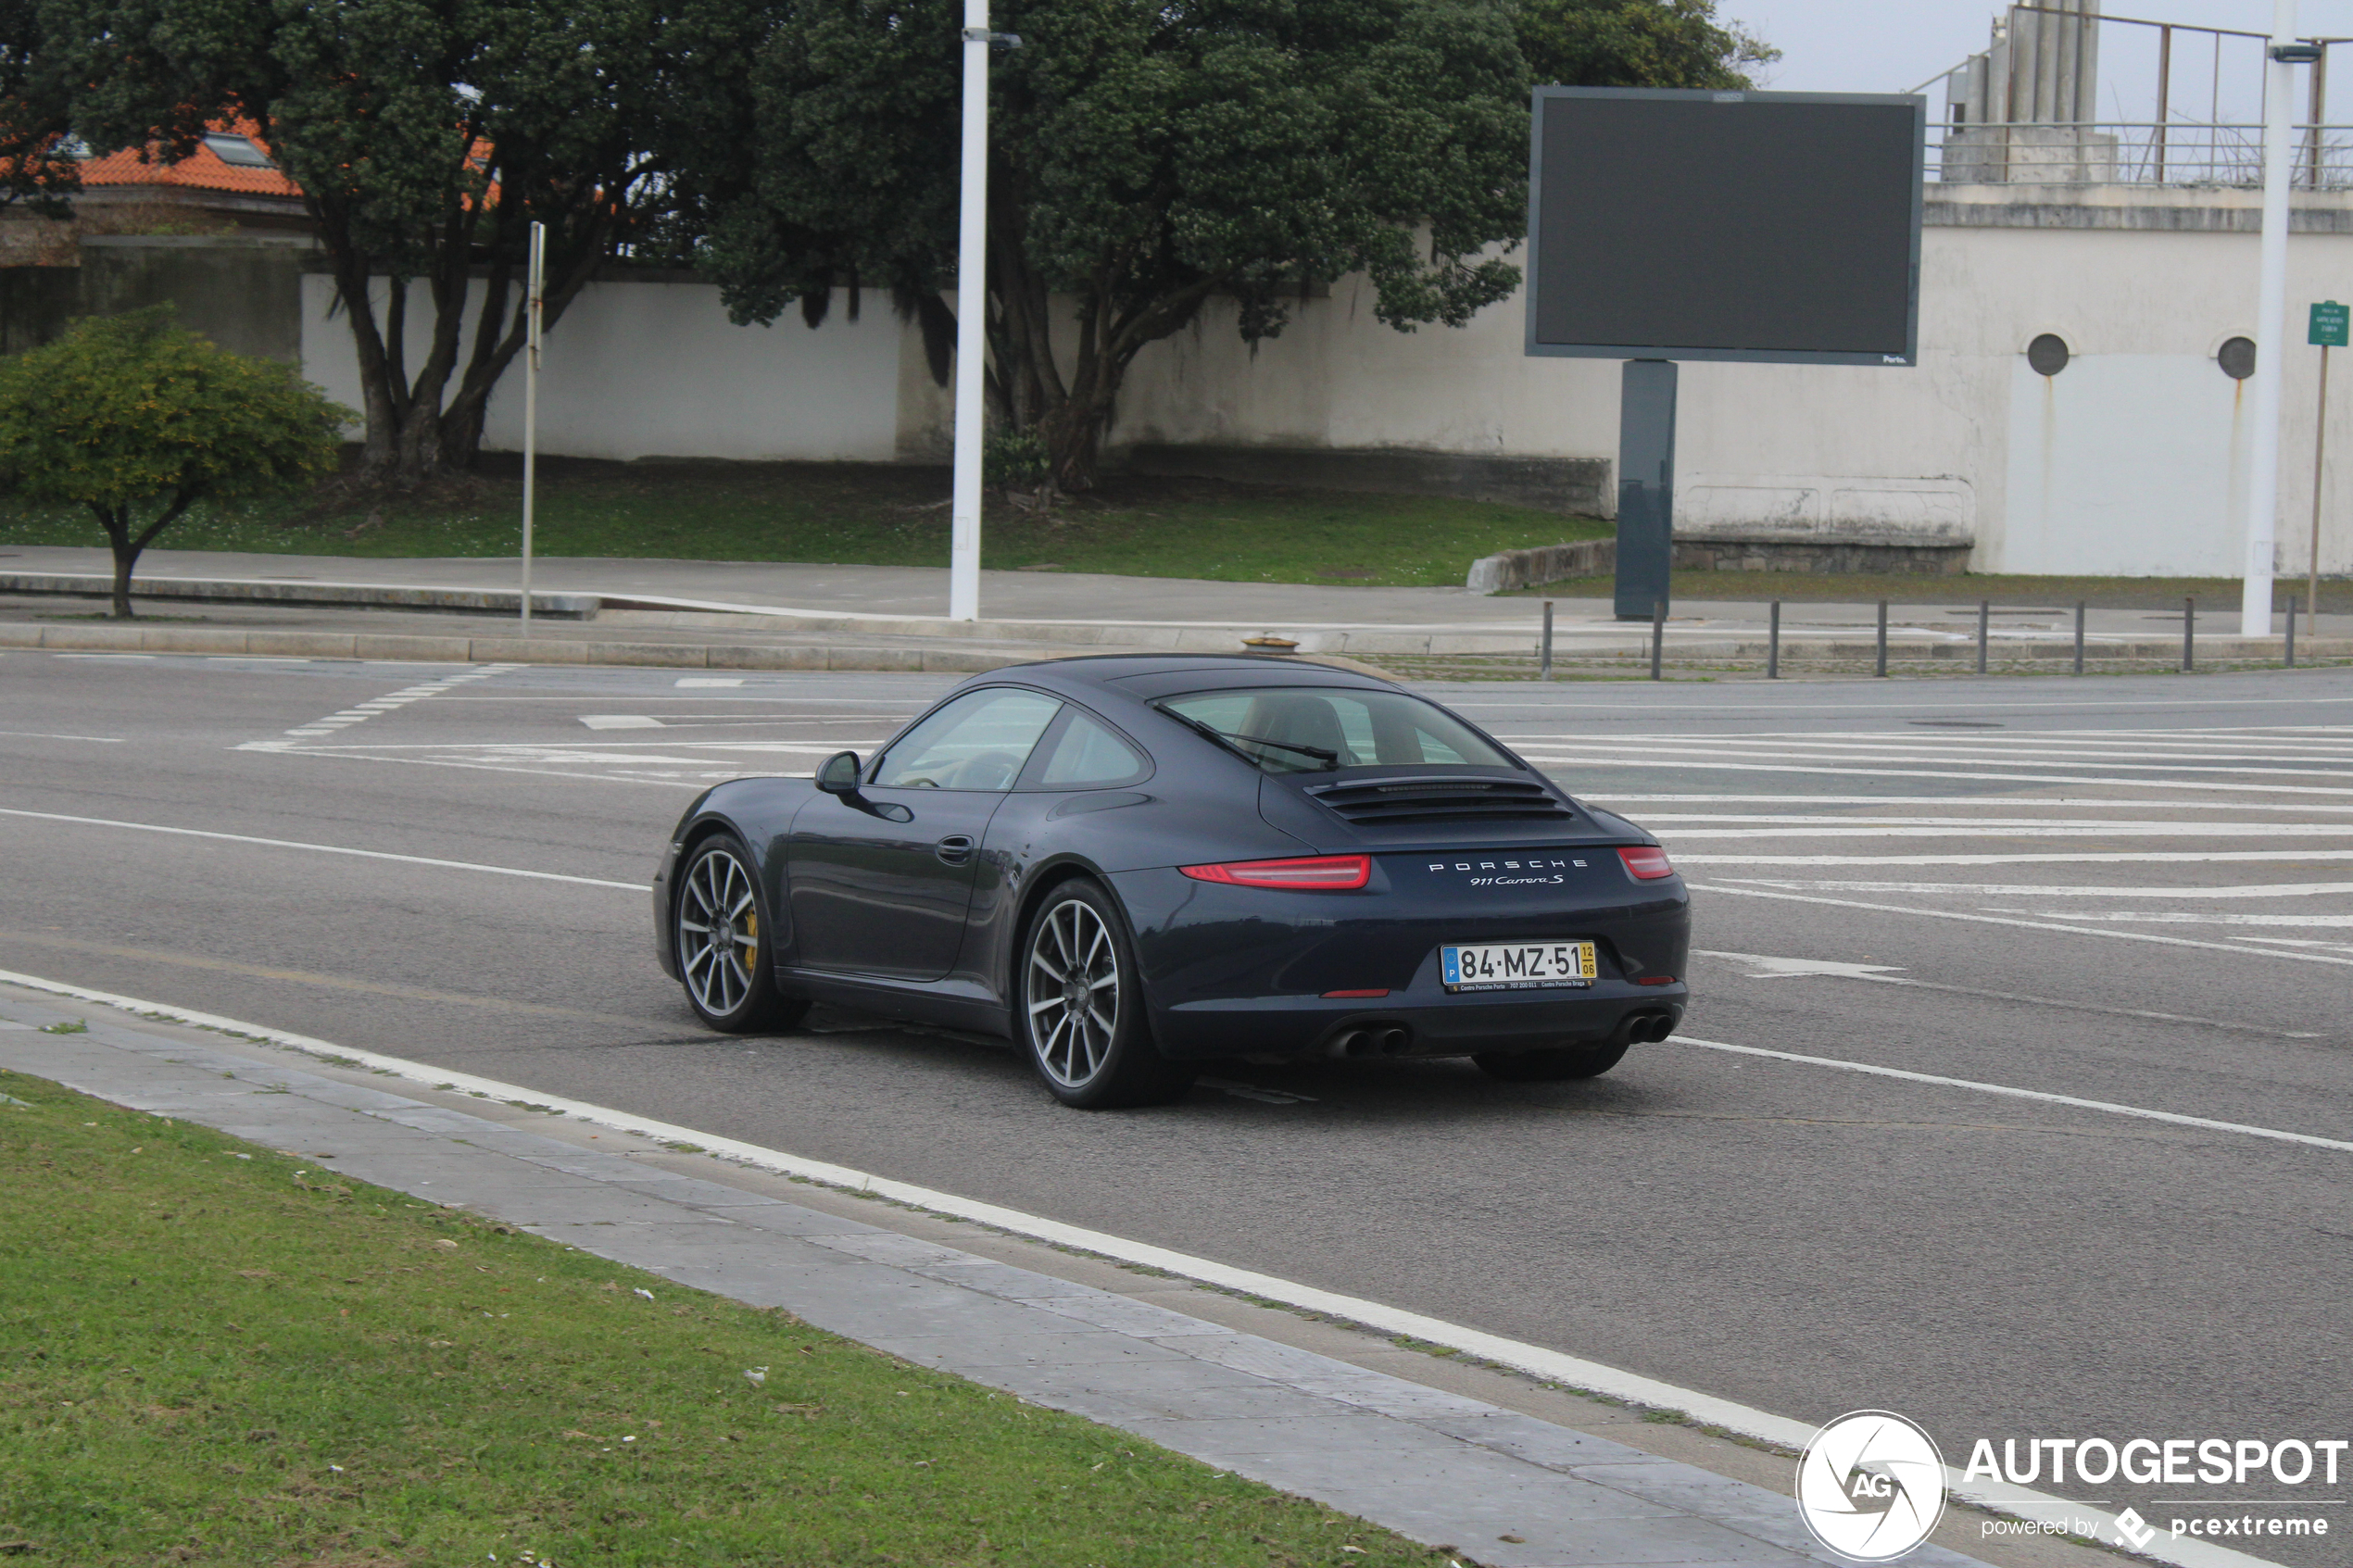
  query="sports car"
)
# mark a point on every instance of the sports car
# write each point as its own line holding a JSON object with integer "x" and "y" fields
{"x": 1133, "y": 866}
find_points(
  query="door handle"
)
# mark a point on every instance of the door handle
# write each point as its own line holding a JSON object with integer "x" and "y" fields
{"x": 955, "y": 849}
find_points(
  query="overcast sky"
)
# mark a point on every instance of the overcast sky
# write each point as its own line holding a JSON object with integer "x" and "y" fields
{"x": 1892, "y": 46}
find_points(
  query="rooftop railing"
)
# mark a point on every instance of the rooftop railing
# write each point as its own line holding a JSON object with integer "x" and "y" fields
{"x": 2129, "y": 153}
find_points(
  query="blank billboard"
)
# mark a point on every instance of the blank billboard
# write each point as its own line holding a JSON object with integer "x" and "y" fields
{"x": 1699, "y": 225}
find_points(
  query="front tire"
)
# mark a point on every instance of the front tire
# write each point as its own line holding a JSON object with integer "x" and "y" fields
{"x": 1080, "y": 1006}
{"x": 718, "y": 922}
{"x": 1559, "y": 1065}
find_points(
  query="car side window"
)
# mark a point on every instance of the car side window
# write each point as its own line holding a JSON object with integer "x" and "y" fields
{"x": 1087, "y": 755}
{"x": 979, "y": 741}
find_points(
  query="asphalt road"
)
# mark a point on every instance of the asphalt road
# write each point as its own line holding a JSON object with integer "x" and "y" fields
{"x": 2130, "y": 891}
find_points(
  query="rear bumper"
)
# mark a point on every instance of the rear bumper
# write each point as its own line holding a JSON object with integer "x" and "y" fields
{"x": 1242, "y": 972}
{"x": 1441, "y": 1025}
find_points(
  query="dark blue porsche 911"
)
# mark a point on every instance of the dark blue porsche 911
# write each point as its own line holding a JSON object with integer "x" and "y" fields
{"x": 1132, "y": 866}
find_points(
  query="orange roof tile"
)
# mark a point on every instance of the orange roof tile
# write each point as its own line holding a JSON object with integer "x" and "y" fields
{"x": 203, "y": 169}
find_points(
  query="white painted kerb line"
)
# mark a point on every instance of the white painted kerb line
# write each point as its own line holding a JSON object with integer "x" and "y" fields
{"x": 1534, "y": 1359}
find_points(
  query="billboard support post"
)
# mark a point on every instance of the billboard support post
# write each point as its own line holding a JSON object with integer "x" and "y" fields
{"x": 1645, "y": 485}
{"x": 2271, "y": 319}
{"x": 971, "y": 306}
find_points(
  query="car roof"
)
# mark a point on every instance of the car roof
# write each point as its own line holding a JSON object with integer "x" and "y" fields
{"x": 1143, "y": 677}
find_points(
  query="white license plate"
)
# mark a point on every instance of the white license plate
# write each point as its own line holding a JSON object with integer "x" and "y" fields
{"x": 1517, "y": 966}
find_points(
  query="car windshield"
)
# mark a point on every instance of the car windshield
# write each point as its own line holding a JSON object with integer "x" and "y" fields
{"x": 1317, "y": 729}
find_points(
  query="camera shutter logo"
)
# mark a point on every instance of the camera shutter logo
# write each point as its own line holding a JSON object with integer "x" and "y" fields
{"x": 1871, "y": 1485}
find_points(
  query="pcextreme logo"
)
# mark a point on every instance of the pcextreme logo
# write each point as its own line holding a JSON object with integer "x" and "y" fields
{"x": 1871, "y": 1485}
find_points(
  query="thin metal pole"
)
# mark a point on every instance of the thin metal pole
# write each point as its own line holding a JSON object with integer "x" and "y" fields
{"x": 2079, "y": 636}
{"x": 1544, "y": 659}
{"x": 1882, "y": 639}
{"x": 971, "y": 306}
{"x": 1773, "y": 644}
{"x": 1984, "y": 621}
{"x": 2270, "y": 322}
{"x": 535, "y": 285}
{"x": 2164, "y": 92}
{"x": 2291, "y": 630}
{"x": 2189, "y": 634}
{"x": 1658, "y": 634}
{"x": 2320, "y": 448}
{"x": 2320, "y": 100}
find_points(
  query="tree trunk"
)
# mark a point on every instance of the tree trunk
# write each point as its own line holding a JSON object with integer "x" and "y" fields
{"x": 117, "y": 523}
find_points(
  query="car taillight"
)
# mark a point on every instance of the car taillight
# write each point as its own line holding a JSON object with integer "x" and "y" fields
{"x": 1646, "y": 863}
{"x": 1336, "y": 874}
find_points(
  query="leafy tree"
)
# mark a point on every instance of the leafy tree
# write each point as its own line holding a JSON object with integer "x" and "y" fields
{"x": 139, "y": 420}
{"x": 33, "y": 118}
{"x": 426, "y": 136}
{"x": 1637, "y": 43}
{"x": 1145, "y": 161}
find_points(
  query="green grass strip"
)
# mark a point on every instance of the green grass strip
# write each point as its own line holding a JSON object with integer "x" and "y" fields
{"x": 879, "y": 514}
{"x": 215, "y": 1353}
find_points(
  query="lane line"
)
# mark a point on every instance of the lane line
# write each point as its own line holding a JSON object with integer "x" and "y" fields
{"x": 329, "y": 755}
{"x": 327, "y": 849}
{"x": 2112, "y": 856}
{"x": 2008, "y": 1091}
{"x": 1864, "y": 828}
{"x": 1537, "y": 1360}
{"x": 1953, "y": 802}
{"x": 1770, "y": 968}
{"x": 1689, "y": 765}
{"x": 36, "y": 734}
{"x": 2038, "y": 890}
{"x": 2029, "y": 925}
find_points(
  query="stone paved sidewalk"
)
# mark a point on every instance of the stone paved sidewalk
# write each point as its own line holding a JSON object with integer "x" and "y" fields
{"x": 1500, "y": 1486}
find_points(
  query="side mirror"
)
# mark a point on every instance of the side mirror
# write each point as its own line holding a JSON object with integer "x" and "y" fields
{"x": 838, "y": 774}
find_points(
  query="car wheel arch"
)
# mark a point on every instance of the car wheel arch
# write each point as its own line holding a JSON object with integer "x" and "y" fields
{"x": 1041, "y": 884}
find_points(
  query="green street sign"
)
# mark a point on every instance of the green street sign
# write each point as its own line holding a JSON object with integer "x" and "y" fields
{"x": 2329, "y": 323}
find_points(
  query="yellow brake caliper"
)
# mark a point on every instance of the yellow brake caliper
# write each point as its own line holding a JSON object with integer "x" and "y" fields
{"x": 752, "y": 941}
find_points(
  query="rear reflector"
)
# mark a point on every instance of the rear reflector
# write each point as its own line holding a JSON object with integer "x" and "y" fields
{"x": 1332, "y": 996}
{"x": 1656, "y": 980}
{"x": 1647, "y": 863}
{"x": 1339, "y": 873}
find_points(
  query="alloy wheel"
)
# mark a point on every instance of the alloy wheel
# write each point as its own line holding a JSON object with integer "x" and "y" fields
{"x": 718, "y": 931}
{"x": 1072, "y": 993}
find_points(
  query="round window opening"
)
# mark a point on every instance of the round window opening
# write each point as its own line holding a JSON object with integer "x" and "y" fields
{"x": 2046, "y": 355}
{"x": 2236, "y": 356}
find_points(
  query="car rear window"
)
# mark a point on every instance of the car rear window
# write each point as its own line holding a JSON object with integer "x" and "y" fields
{"x": 1318, "y": 729}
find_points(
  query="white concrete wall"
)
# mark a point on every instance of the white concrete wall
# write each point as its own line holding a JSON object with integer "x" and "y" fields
{"x": 636, "y": 370}
{"x": 2127, "y": 461}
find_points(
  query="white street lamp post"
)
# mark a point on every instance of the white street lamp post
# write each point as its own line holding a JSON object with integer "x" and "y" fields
{"x": 2270, "y": 322}
{"x": 972, "y": 296}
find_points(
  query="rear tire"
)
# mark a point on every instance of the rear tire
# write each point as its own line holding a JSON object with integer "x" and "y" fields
{"x": 1079, "y": 1006}
{"x": 1550, "y": 1066}
{"x": 719, "y": 921}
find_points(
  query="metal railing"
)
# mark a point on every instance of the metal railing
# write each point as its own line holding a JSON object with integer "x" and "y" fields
{"x": 2130, "y": 153}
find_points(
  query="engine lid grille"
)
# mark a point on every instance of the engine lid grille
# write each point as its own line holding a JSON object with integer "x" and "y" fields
{"x": 1440, "y": 800}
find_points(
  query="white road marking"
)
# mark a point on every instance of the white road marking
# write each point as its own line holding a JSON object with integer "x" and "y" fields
{"x": 1538, "y": 1360}
{"x": 2006, "y": 802}
{"x": 2029, "y": 924}
{"x": 326, "y": 849}
{"x": 2177, "y": 918}
{"x": 710, "y": 681}
{"x": 1831, "y": 827}
{"x": 2077, "y": 1102}
{"x": 36, "y": 734}
{"x": 1762, "y": 967}
{"x": 343, "y": 717}
{"x": 2037, "y": 890}
{"x": 117, "y": 658}
{"x": 2087, "y": 858}
{"x": 1686, "y": 764}
{"x": 620, "y": 721}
